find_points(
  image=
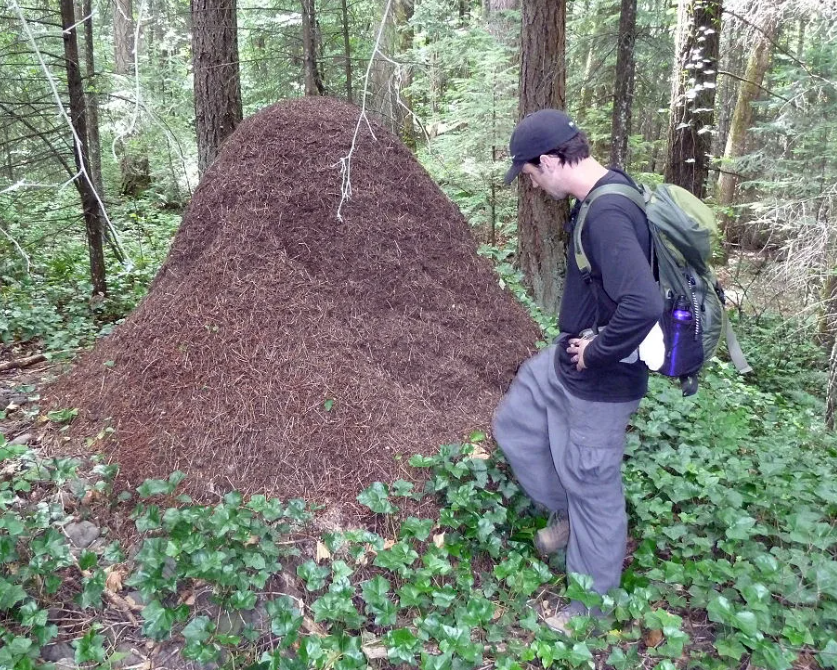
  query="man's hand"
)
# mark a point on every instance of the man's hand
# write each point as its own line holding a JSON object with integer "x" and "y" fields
{"x": 576, "y": 348}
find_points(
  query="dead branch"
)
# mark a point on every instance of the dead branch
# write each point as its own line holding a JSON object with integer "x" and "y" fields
{"x": 22, "y": 362}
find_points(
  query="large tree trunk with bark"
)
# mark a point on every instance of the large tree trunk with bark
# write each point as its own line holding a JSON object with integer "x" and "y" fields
{"x": 390, "y": 99}
{"x": 736, "y": 145}
{"x": 693, "y": 94}
{"x": 217, "y": 83}
{"x": 313, "y": 81}
{"x": 93, "y": 215}
{"x": 542, "y": 85}
{"x": 623, "y": 94}
{"x": 94, "y": 143}
{"x": 123, "y": 37}
{"x": 403, "y": 15}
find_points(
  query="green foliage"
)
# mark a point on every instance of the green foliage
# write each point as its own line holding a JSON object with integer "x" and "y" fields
{"x": 51, "y": 304}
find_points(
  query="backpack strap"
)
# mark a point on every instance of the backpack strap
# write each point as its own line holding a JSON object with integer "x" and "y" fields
{"x": 736, "y": 354}
{"x": 639, "y": 199}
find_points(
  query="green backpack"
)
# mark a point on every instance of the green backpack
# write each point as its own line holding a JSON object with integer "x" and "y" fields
{"x": 694, "y": 318}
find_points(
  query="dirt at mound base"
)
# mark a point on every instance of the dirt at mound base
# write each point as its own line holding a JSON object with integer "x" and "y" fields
{"x": 280, "y": 350}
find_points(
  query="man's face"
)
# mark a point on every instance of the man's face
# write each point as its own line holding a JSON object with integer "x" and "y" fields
{"x": 547, "y": 176}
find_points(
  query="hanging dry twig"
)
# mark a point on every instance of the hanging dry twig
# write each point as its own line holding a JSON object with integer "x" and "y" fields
{"x": 346, "y": 162}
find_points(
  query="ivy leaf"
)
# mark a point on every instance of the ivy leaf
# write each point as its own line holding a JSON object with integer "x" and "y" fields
{"x": 580, "y": 654}
{"x": 285, "y": 620}
{"x": 730, "y": 647}
{"x": 158, "y": 620}
{"x": 402, "y": 645}
{"x": 402, "y": 488}
{"x": 622, "y": 661}
{"x": 153, "y": 487}
{"x": 720, "y": 610}
{"x": 773, "y": 657}
{"x": 827, "y": 658}
{"x": 417, "y": 528}
{"x": 376, "y": 498}
{"x": 397, "y": 558}
{"x": 314, "y": 575}
{"x": 418, "y": 461}
{"x": 198, "y": 629}
{"x": 747, "y": 623}
{"x": 87, "y": 560}
{"x": 92, "y": 589}
{"x": 90, "y": 648}
{"x": 10, "y": 594}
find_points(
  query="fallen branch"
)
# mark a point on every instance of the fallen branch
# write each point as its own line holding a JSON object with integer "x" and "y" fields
{"x": 22, "y": 362}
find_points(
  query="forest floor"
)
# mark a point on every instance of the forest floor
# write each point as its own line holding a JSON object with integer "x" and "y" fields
{"x": 732, "y": 502}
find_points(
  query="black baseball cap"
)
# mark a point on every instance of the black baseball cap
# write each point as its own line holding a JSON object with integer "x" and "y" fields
{"x": 537, "y": 134}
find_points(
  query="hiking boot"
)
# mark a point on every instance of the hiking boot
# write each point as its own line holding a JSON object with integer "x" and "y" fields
{"x": 555, "y": 536}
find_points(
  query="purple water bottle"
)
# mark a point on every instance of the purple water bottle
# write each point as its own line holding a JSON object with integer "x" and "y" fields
{"x": 681, "y": 329}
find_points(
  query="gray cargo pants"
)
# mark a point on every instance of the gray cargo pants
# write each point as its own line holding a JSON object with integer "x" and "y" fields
{"x": 567, "y": 455}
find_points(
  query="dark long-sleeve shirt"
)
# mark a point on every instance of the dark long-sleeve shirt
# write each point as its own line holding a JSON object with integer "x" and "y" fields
{"x": 616, "y": 241}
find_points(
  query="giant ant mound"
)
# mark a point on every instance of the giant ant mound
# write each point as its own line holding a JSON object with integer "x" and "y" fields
{"x": 281, "y": 350}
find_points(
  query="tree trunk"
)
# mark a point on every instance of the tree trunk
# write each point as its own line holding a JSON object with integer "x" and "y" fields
{"x": 800, "y": 39}
{"x": 93, "y": 215}
{"x": 693, "y": 94}
{"x": 831, "y": 390}
{"x": 347, "y": 51}
{"x": 94, "y": 144}
{"x": 313, "y": 83}
{"x": 586, "y": 95}
{"x": 123, "y": 37}
{"x": 383, "y": 102}
{"x": 217, "y": 83}
{"x": 829, "y": 325}
{"x": 542, "y": 85}
{"x": 748, "y": 91}
{"x": 403, "y": 15}
{"x": 499, "y": 24}
{"x": 623, "y": 94}
{"x": 10, "y": 164}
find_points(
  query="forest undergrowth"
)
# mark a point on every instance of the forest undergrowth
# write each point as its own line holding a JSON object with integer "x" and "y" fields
{"x": 732, "y": 504}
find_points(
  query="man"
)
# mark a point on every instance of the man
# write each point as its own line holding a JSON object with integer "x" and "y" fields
{"x": 562, "y": 424}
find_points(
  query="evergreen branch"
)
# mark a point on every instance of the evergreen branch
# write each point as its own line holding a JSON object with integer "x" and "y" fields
{"x": 40, "y": 134}
{"x": 752, "y": 83}
{"x": 780, "y": 48}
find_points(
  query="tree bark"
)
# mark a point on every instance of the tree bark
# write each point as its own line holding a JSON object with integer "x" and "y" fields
{"x": 313, "y": 82}
{"x": 542, "y": 85}
{"x": 92, "y": 100}
{"x": 403, "y": 14}
{"x": 93, "y": 215}
{"x": 123, "y": 37}
{"x": 217, "y": 82}
{"x": 748, "y": 91}
{"x": 693, "y": 94}
{"x": 347, "y": 51}
{"x": 830, "y": 327}
{"x": 623, "y": 94}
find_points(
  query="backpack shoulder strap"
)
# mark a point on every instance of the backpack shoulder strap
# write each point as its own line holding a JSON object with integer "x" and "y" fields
{"x": 736, "y": 354}
{"x": 639, "y": 199}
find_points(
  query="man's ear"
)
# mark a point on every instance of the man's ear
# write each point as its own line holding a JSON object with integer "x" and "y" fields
{"x": 550, "y": 161}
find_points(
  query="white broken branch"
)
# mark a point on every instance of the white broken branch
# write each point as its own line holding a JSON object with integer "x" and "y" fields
{"x": 346, "y": 162}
